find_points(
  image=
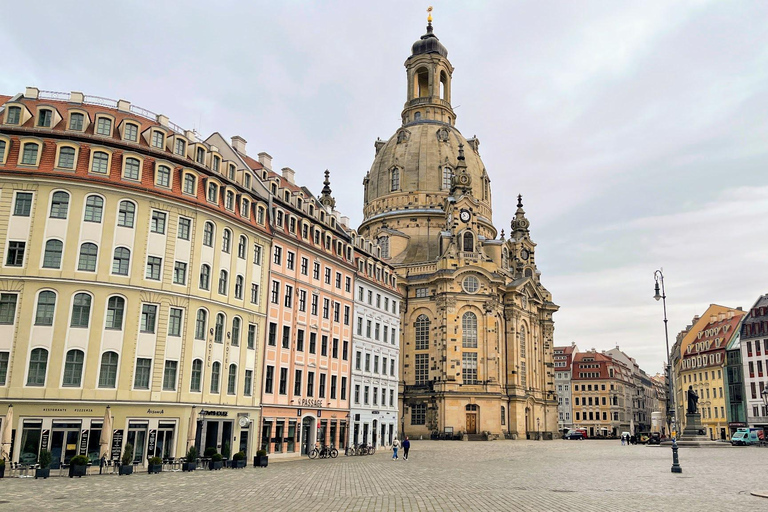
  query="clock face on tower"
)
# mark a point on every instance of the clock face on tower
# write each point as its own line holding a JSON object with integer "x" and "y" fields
{"x": 464, "y": 216}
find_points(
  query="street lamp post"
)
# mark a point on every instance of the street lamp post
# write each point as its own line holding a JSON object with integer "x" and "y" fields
{"x": 764, "y": 394}
{"x": 659, "y": 277}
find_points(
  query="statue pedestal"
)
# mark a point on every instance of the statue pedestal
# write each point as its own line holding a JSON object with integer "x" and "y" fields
{"x": 693, "y": 425}
{"x": 691, "y": 436}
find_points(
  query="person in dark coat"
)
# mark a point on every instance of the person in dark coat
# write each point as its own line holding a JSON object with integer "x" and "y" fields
{"x": 406, "y": 448}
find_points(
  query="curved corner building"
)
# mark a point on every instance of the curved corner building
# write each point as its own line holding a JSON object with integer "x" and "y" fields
{"x": 132, "y": 271}
{"x": 477, "y": 330}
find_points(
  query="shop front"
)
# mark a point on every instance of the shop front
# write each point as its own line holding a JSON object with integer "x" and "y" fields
{"x": 153, "y": 430}
{"x": 287, "y": 431}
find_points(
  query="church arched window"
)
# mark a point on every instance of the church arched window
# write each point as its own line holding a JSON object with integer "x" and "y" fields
{"x": 422, "y": 83}
{"x": 447, "y": 176}
{"x": 443, "y": 85}
{"x": 394, "y": 179}
{"x": 522, "y": 341}
{"x": 528, "y": 272}
{"x": 469, "y": 330}
{"x": 422, "y": 332}
{"x": 384, "y": 246}
{"x": 469, "y": 242}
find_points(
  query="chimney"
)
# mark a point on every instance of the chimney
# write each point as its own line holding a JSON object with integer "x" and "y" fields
{"x": 344, "y": 221}
{"x": 266, "y": 160}
{"x": 190, "y": 135}
{"x": 32, "y": 93}
{"x": 712, "y": 318}
{"x": 162, "y": 120}
{"x": 78, "y": 97}
{"x": 720, "y": 317}
{"x": 288, "y": 174}
{"x": 239, "y": 144}
{"x": 730, "y": 315}
{"x": 122, "y": 105}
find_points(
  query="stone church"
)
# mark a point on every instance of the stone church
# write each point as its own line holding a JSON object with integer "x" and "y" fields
{"x": 477, "y": 328}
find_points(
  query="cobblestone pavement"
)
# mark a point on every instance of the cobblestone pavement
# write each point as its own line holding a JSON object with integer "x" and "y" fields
{"x": 440, "y": 475}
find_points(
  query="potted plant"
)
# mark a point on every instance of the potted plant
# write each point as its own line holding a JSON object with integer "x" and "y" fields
{"x": 126, "y": 462}
{"x": 209, "y": 452}
{"x": 2, "y": 468}
{"x": 154, "y": 465}
{"x": 261, "y": 459}
{"x": 78, "y": 466}
{"x": 217, "y": 462}
{"x": 238, "y": 460}
{"x": 190, "y": 465}
{"x": 225, "y": 454}
{"x": 44, "y": 460}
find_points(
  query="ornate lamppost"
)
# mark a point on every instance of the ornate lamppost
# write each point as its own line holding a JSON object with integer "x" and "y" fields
{"x": 659, "y": 277}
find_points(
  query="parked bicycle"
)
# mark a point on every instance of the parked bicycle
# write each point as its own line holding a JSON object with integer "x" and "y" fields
{"x": 323, "y": 452}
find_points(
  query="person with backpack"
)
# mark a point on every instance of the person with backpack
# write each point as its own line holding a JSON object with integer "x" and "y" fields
{"x": 406, "y": 448}
{"x": 395, "y": 446}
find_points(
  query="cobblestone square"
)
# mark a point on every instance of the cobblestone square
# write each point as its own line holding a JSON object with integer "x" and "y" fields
{"x": 440, "y": 475}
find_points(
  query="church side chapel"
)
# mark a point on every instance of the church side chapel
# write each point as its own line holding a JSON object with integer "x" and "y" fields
{"x": 477, "y": 326}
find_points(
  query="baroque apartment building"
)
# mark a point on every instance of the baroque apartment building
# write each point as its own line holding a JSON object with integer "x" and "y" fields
{"x": 476, "y": 351}
{"x": 376, "y": 348}
{"x": 754, "y": 357}
{"x": 602, "y": 394}
{"x": 563, "y": 363}
{"x": 308, "y": 345}
{"x": 131, "y": 291}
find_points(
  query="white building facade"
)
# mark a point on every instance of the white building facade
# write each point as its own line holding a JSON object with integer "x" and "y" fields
{"x": 563, "y": 359}
{"x": 375, "y": 349}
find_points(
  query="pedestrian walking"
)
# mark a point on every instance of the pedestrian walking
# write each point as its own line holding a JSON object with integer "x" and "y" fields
{"x": 102, "y": 463}
{"x": 395, "y": 446}
{"x": 406, "y": 448}
{"x": 622, "y": 440}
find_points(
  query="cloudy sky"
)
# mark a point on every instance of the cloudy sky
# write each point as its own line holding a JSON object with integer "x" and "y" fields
{"x": 636, "y": 131}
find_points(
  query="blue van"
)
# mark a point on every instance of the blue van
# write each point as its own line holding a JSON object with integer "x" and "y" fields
{"x": 745, "y": 436}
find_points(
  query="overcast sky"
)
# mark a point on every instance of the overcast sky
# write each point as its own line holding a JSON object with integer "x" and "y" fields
{"x": 636, "y": 131}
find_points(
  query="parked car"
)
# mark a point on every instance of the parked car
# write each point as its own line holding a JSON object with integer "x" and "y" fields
{"x": 643, "y": 437}
{"x": 655, "y": 438}
{"x": 574, "y": 434}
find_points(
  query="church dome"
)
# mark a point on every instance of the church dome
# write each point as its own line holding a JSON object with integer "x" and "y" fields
{"x": 412, "y": 170}
{"x": 429, "y": 43}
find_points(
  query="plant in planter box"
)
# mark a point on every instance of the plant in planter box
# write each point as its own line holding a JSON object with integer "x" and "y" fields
{"x": 78, "y": 466}
{"x": 154, "y": 465}
{"x": 238, "y": 460}
{"x": 126, "y": 461}
{"x": 225, "y": 454}
{"x": 190, "y": 465}
{"x": 217, "y": 462}
{"x": 261, "y": 459}
{"x": 44, "y": 460}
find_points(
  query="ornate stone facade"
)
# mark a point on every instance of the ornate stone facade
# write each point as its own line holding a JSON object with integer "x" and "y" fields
{"x": 477, "y": 327}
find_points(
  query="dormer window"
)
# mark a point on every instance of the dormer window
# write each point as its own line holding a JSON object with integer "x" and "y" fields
{"x": 44, "y": 118}
{"x": 245, "y": 208}
{"x": 76, "y": 121}
{"x": 312, "y": 210}
{"x": 104, "y": 126}
{"x": 279, "y": 218}
{"x": 100, "y": 162}
{"x": 200, "y": 156}
{"x": 247, "y": 181}
{"x": 298, "y": 203}
{"x": 231, "y": 171}
{"x": 131, "y": 132}
{"x": 189, "y": 184}
{"x": 216, "y": 163}
{"x": 213, "y": 192}
{"x": 287, "y": 196}
{"x": 394, "y": 180}
{"x": 29, "y": 153}
{"x": 14, "y": 115}
{"x": 230, "y": 200}
{"x": 179, "y": 147}
{"x": 157, "y": 139}
{"x": 163, "y": 177}
{"x": 274, "y": 189}
{"x": 66, "y": 158}
{"x": 447, "y": 177}
{"x": 260, "y": 215}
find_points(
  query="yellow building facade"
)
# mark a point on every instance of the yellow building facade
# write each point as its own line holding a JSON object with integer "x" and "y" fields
{"x": 131, "y": 286}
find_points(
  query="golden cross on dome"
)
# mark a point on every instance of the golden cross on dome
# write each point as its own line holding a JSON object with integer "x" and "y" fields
{"x": 429, "y": 17}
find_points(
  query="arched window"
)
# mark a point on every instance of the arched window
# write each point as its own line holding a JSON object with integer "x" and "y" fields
{"x": 213, "y": 193}
{"x": 196, "y": 377}
{"x": 205, "y": 277}
{"x": 59, "y": 205}
{"x": 94, "y": 207}
{"x": 242, "y": 247}
{"x": 38, "y": 364}
{"x": 384, "y": 244}
{"x": 108, "y": 373}
{"x": 394, "y": 180}
{"x": 422, "y": 332}
{"x": 81, "y": 310}
{"x": 522, "y": 341}
{"x": 239, "y": 287}
{"x": 163, "y": 176}
{"x": 223, "y": 282}
{"x": 469, "y": 330}
{"x": 232, "y": 379}
{"x": 115, "y": 311}
{"x": 469, "y": 242}
{"x": 226, "y": 240}
{"x": 218, "y": 333}
{"x": 215, "y": 376}
{"x": 447, "y": 177}
{"x": 67, "y": 158}
{"x": 208, "y": 234}
{"x": 235, "y": 331}
{"x": 528, "y": 272}
{"x": 52, "y": 256}
{"x": 422, "y": 83}
{"x": 126, "y": 214}
{"x": 100, "y": 162}
{"x": 132, "y": 167}
{"x": 121, "y": 261}
{"x": 443, "y": 85}
{"x": 73, "y": 369}
{"x": 201, "y": 324}
{"x": 88, "y": 256}
{"x": 46, "y": 305}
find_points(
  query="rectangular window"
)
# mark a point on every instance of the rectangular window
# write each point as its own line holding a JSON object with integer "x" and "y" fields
{"x": 347, "y": 284}
{"x": 302, "y": 300}
{"x": 316, "y": 270}
{"x": 157, "y": 139}
{"x": 336, "y": 309}
{"x": 421, "y": 369}
{"x": 334, "y": 379}
{"x": 278, "y": 256}
{"x": 358, "y": 360}
{"x": 104, "y": 126}
{"x": 169, "y": 376}
{"x": 184, "y": 228}
{"x": 300, "y": 340}
{"x": 304, "y": 266}
{"x": 343, "y": 395}
{"x": 289, "y": 260}
{"x": 15, "y": 256}
{"x": 254, "y": 293}
{"x": 419, "y": 414}
{"x": 275, "y": 295}
{"x": 131, "y": 132}
{"x": 324, "y": 345}
{"x": 313, "y": 343}
{"x": 23, "y": 204}
{"x": 288, "y": 296}
{"x": 174, "y": 322}
{"x": 310, "y": 384}
{"x": 4, "y": 358}
{"x": 272, "y": 337}
{"x": 148, "y": 318}
{"x": 14, "y": 115}
{"x": 257, "y": 254}
{"x": 367, "y": 362}
{"x": 357, "y": 393}
{"x": 327, "y": 275}
{"x": 154, "y": 264}
{"x": 345, "y": 351}
{"x": 251, "y": 336}
{"x": 180, "y": 273}
{"x": 297, "y": 383}
{"x": 143, "y": 369}
{"x": 286, "y": 336}
{"x": 314, "y": 305}
{"x": 283, "y": 381}
{"x": 248, "y": 383}
{"x": 269, "y": 380}
{"x": 321, "y": 387}
{"x": 158, "y": 222}
{"x": 335, "y": 348}
{"x": 366, "y": 394}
